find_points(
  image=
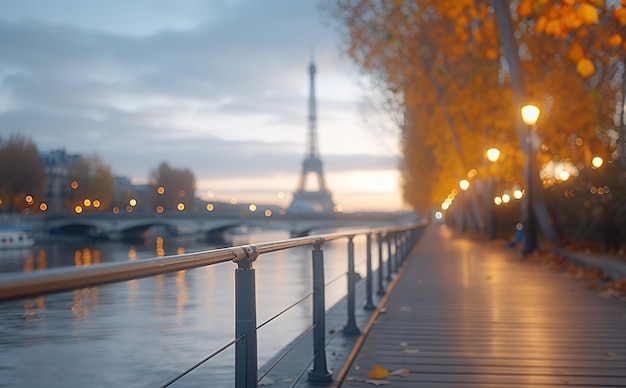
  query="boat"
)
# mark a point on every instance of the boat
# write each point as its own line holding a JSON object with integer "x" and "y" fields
{"x": 16, "y": 237}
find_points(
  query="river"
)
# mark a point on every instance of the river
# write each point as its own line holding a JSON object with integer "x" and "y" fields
{"x": 142, "y": 333}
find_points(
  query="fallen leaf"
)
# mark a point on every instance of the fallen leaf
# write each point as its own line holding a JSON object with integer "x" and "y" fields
{"x": 378, "y": 372}
{"x": 401, "y": 372}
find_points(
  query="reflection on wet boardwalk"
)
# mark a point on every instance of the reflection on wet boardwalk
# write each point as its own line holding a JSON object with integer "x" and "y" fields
{"x": 464, "y": 314}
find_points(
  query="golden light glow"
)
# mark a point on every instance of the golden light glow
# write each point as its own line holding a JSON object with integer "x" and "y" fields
{"x": 96, "y": 203}
{"x": 597, "y": 162}
{"x": 564, "y": 175}
{"x": 281, "y": 195}
{"x": 181, "y": 193}
{"x": 74, "y": 185}
{"x": 445, "y": 206}
{"x": 506, "y": 198}
{"x": 252, "y": 207}
{"x": 454, "y": 192}
{"x": 517, "y": 194}
{"x": 87, "y": 202}
{"x": 78, "y": 209}
{"x": 132, "y": 202}
{"x": 43, "y": 206}
{"x": 159, "y": 209}
{"x": 210, "y": 193}
{"x": 116, "y": 210}
{"x": 129, "y": 209}
{"x": 180, "y": 206}
{"x": 29, "y": 199}
{"x": 268, "y": 213}
{"x": 233, "y": 201}
{"x": 530, "y": 114}
{"x": 210, "y": 207}
{"x": 497, "y": 201}
{"x": 464, "y": 184}
{"x": 493, "y": 154}
{"x": 160, "y": 190}
{"x": 472, "y": 173}
{"x": 338, "y": 208}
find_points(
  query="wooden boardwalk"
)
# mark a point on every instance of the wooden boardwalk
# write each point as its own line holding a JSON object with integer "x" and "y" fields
{"x": 463, "y": 314}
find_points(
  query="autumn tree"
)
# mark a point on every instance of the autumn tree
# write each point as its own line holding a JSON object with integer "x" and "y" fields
{"x": 460, "y": 85}
{"x": 445, "y": 75}
{"x": 22, "y": 175}
{"x": 92, "y": 184}
{"x": 174, "y": 188}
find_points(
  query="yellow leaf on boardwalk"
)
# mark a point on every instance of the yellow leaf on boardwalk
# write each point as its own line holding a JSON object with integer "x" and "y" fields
{"x": 378, "y": 372}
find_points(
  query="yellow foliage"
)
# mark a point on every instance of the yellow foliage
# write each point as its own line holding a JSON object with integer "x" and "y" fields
{"x": 569, "y": 2}
{"x": 525, "y": 9}
{"x": 491, "y": 53}
{"x": 540, "y": 27}
{"x": 588, "y": 14}
{"x": 378, "y": 372}
{"x": 614, "y": 40}
{"x": 620, "y": 15}
{"x": 585, "y": 67}
{"x": 575, "y": 52}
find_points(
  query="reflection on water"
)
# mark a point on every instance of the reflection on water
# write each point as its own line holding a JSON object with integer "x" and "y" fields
{"x": 143, "y": 332}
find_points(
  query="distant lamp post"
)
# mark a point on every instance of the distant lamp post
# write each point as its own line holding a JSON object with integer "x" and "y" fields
{"x": 530, "y": 114}
{"x": 493, "y": 154}
{"x": 464, "y": 184}
{"x": 597, "y": 162}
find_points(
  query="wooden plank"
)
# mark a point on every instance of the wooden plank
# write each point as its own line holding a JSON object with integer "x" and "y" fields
{"x": 468, "y": 315}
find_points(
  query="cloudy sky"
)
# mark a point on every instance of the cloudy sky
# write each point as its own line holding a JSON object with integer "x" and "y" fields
{"x": 217, "y": 86}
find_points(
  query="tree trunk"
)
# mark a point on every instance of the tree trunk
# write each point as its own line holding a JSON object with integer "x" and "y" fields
{"x": 507, "y": 40}
{"x": 622, "y": 128}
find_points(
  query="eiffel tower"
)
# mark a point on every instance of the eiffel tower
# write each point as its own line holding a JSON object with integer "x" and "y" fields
{"x": 306, "y": 199}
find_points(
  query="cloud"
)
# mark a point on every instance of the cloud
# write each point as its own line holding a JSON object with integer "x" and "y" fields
{"x": 220, "y": 87}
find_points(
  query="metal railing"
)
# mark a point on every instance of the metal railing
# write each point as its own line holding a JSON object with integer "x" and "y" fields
{"x": 399, "y": 242}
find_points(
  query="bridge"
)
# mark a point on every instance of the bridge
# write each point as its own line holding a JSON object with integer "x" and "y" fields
{"x": 208, "y": 225}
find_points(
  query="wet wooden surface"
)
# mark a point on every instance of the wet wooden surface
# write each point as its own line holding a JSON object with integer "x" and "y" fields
{"x": 464, "y": 314}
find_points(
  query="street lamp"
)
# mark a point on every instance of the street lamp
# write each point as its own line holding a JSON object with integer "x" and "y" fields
{"x": 493, "y": 154}
{"x": 530, "y": 114}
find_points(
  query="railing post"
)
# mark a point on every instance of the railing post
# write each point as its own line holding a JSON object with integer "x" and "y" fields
{"x": 351, "y": 328}
{"x": 381, "y": 289}
{"x": 394, "y": 240}
{"x": 246, "y": 362}
{"x": 320, "y": 372}
{"x": 369, "y": 304}
{"x": 389, "y": 258}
